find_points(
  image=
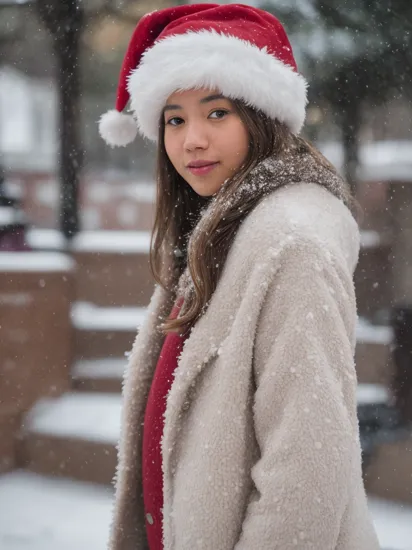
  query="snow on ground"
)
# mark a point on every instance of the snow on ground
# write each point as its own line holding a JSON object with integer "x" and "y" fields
{"x": 43, "y": 513}
{"x": 393, "y": 523}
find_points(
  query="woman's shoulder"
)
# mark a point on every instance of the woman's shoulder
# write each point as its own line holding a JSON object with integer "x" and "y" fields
{"x": 305, "y": 213}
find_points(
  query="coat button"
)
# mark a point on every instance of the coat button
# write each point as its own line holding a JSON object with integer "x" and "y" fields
{"x": 186, "y": 405}
{"x": 149, "y": 518}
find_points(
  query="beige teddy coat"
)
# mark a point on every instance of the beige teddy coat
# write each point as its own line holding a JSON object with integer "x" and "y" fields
{"x": 261, "y": 446}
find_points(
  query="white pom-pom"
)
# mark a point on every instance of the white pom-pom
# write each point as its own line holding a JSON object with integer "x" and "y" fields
{"x": 117, "y": 129}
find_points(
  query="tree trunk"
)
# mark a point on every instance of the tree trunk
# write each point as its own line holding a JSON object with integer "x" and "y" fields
{"x": 350, "y": 128}
{"x": 64, "y": 21}
{"x": 67, "y": 46}
{"x": 401, "y": 204}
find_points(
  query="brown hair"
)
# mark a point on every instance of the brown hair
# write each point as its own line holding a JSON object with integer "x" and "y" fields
{"x": 178, "y": 209}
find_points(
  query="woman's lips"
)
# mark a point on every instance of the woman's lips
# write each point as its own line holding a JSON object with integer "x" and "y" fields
{"x": 202, "y": 170}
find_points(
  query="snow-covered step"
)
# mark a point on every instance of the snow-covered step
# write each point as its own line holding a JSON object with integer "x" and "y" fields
{"x": 35, "y": 262}
{"x": 112, "y": 267}
{"x": 102, "y": 375}
{"x": 102, "y": 332}
{"x": 130, "y": 241}
{"x": 106, "y": 375}
{"x": 126, "y": 242}
{"x": 88, "y": 316}
{"x": 368, "y": 333}
{"x": 39, "y": 512}
{"x": 74, "y": 435}
{"x": 88, "y": 416}
{"x": 372, "y": 394}
{"x": 45, "y": 513}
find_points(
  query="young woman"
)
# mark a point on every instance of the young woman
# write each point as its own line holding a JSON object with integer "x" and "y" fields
{"x": 239, "y": 427}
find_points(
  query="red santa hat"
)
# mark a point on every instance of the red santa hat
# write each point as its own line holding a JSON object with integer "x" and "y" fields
{"x": 242, "y": 51}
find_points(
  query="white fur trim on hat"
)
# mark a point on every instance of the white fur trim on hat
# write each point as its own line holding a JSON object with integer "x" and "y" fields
{"x": 208, "y": 59}
{"x": 117, "y": 129}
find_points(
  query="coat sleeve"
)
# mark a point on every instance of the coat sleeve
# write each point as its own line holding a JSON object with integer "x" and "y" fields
{"x": 305, "y": 405}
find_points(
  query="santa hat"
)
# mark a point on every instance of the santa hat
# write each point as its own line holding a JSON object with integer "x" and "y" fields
{"x": 242, "y": 51}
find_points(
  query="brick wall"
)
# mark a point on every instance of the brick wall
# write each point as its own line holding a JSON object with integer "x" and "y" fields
{"x": 35, "y": 345}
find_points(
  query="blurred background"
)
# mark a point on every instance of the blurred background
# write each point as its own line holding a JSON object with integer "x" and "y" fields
{"x": 75, "y": 221}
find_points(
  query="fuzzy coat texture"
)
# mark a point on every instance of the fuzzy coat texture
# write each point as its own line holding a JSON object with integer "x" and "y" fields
{"x": 261, "y": 445}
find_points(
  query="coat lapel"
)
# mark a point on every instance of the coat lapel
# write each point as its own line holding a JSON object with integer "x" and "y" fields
{"x": 126, "y": 531}
{"x": 201, "y": 347}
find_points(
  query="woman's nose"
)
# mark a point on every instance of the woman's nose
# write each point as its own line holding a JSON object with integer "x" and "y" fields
{"x": 195, "y": 137}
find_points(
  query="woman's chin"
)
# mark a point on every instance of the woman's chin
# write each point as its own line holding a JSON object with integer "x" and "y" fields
{"x": 204, "y": 188}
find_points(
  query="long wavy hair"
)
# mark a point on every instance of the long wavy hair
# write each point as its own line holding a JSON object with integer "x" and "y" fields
{"x": 178, "y": 208}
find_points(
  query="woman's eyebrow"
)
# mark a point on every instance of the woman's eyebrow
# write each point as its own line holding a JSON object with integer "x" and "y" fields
{"x": 207, "y": 99}
{"x": 170, "y": 108}
{"x": 212, "y": 97}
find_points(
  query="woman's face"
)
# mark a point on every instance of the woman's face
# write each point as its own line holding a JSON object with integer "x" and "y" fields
{"x": 203, "y": 128}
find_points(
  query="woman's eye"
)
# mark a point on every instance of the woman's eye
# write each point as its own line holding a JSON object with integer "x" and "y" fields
{"x": 175, "y": 121}
{"x": 220, "y": 112}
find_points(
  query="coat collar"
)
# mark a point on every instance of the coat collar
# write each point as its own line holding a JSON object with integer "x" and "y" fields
{"x": 294, "y": 166}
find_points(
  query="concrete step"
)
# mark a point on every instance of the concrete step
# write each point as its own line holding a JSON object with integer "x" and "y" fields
{"x": 388, "y": 466}
{"x": 373, "y": 278}
{"x": 73, "y": 436}
{"x": 9, "y": 428}
{"x": 104, "y": 332}
{"x": 389, "y": 473}
{"x": 107, "y": 333}
{"x": 373, "y": 365}
{"x": 99, "y": 375}
{"x": 113, "y": 268}
{"x": 373, "y": 355}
